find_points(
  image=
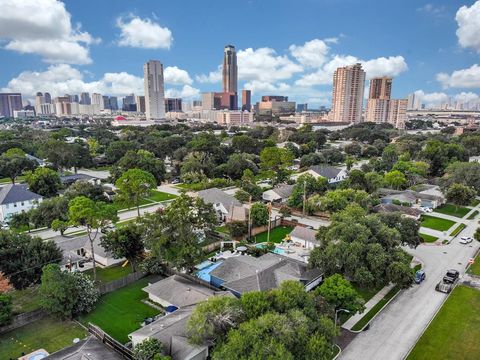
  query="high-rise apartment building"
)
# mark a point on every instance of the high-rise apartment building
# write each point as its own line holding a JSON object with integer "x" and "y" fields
{"x": 397, "y": 114}
{"x": 85, "y": 98}
{"x": 302, "y": 107}
{"x": 274, "y": 105}
{"x": 47, "y": 98}
{"x": 128, "y": 103}
{"x": 348, "y": 88}
{"x": 414, "y": 102}
{"x": 173, "y": 105}
{"x": 113, "y": 103}
{"x": 140, "y": 101}
{"x": 97, "y": 101}
{"x": 154, "y": 90}
{"x": 39, "y": 100}
{"x": 10, "y": 102}
{"x": 246, "y": 100}
{"x": 230, "y": 69}
{"x": 380, "y": 88}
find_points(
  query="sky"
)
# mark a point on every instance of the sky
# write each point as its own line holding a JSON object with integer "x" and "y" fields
{"x": 284, "y": 47}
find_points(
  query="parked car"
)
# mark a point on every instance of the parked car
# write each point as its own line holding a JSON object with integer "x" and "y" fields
{"x": 465, "y": 240}
{"x": 176, "y": 181}
{"x": 426, "y": 209}
{"x": 448, "y": 281}
{"x": 420, "y": 276}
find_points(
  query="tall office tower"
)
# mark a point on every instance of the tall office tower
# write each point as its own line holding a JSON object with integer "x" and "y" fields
{"x": 113, "y": 103}
{"x": 140, "y": 101}
{"x": 230, "y": 69}
{"x": 10, "y": 102}
{"x": 246, "y": 100}
{"x": 39, "y": 100}
{"x": 154, "y": 90}
{"x": 128, "y": 103}
{"x": 380, "y": 88}
{"x": 414, "y": 102}
{"x": 73, "y": 98}
{"x": 62, "y": 105}
{"x": 106, "y": 102}
{"x": 348, "y": 87}
{"x": 302, "y": 107}
{"x": 47, "y": 98}
{"x": 173, "y": 105}
{"x": 85, "y": 98}
{"x": 97, "y": 101}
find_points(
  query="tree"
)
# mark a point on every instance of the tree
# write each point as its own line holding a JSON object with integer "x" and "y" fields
{"x": 22, "y": 257}
{"x": 44, "y": 181}
{"x": 141, "y": 159}
{"x": 395, "y": 179}
{"x": 147, "y": 349}
{"x": 255, "y": 304}
{"x": 87, "y": 189}
{"x": 49, "y": 210}
{"x": 275, "y": 161}
{"x": 212, "y": 319}
{"x": 19, "y": 220}
{"x": 305, "y": 187}
{"x": 259, "y": 214}
{"x": 242, "y": 196}
{"x": 237, "y": 229}
{"x": 476, "y": 235}
{"x": 117, "y": 149}
{"x": 133, "y": 186}
{"x": 59, "y": 225}
{"x": 94, "y": 215}
{"x": 5, "y": 309}
{"x": 66, "y": 294}
{"x": 339, "y": 199}
{"x": 13, "y": 164}
{"x": 338, "y": 291}
{"x": 174, "y": 234}
{"x": 466, "y": 173}
{"x": 245, "y": 144}
{"x": 125, "y": 242}
{"x": 459, "y": 194}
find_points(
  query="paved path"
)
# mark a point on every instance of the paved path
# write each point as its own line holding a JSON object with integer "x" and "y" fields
{"x": 472, "y": 281}
{"x": 368, "y": 306}
{"x": 169, "y": 189}
{"x": 396, "y": 329}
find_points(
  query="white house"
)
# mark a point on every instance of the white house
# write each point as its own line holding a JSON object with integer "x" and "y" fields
{"x": 305, "y": 237}
{"x": 15, "y": 199}
{"x": 278, "y": 194}
{"x": 102, "y": 256}
{"x": 221, "y": 201}
{"x": 332, "y": 174}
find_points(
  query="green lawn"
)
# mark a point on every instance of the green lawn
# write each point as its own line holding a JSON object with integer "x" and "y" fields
{"x": 25, "y": 300}
{"x": 458, "y": 229}
{"x": 18, "y": 180}
{"x": 473, "y": 214}
{"x": 120, "y": 206}
{"x": 436, "y": 223}
{"x": 475, "y": 267}
{"x": 449, "y": 209}
{"x": 475, "y": 202}
{"x": 367, "y": 293}
{"x": 375, "y": 309}
{"x": 222, "y": 229}
{"x": 49, "y": 334}
{"x": 276, "y": 235}
{"x": 428, "y": 238}
{"x": 454, "y": 332}
{"x": 121, "y": 312}
{"x": 160, "y": 196}
{"x": 105, "y": 275}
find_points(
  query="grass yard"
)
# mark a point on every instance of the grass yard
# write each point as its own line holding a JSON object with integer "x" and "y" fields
{"x": 160, "y": 196}
{"x": 475, "y": 267}
{"x": 475, "y": 202}
{"x": 458, "y": 229}
{"x": 105, "y": 275}
{"x": 472, "y": 215}
{"x": 449, "y": 209}
{"x": 428, "y": 238}
{"x": 222, "y": 229}
{"x": 120, "y": 206}
{"x": 48, "y": 333}
{"x": 121, "y": 312}
{"x": 454, "y": 332}
{"x": 25, "y": 300}
{"x": 276, "y": 235}
{"x": 436, "y": 223}
{"x": 367, "y": 293}
{"x": 374, "y": 310}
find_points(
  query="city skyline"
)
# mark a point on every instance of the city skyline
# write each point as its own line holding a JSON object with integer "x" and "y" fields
{"x": 436, "y": 55}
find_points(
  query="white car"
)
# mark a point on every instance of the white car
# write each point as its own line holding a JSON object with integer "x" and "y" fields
{"x": 426, "y": 209}
{"x": 465, "y": 240}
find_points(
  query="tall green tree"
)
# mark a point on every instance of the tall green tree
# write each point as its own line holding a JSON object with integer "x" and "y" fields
{"x": 459, "y": 195}
{"x": 125, "y": 242}
{"x": 395, "y": 179}
{"x": 140, "y": 159}
{"x": 94, "y": 216}
{"x": 338, "y": 291}
{"x": 133, "y": 186}
{"x": 148, "y": 349}
{"x": 259, "y": 214}
{"x": 305, "y": 187}
{"x": 13, "y": 164}
{"x": 275, "y": 161}
{"x": 44, "y": 181}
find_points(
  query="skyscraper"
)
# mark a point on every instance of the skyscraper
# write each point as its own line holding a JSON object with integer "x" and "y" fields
{"x": 380, "y": 88}
{"x": 154, "y": 91}
{"x": 347, "y": 99}
{"x": 173, "y": 105}
{"x": 39, "y": 100}
{"x": 10, "y": 102}
{"x": 414, "y": 102}
{"x": 230, "y": 69}
{"x": 246, "y": 100}
{"x": 140, "y": 101}
{"x": 379, "y": 99}
{"x": 48, "y": 98}
{"x": 85, "y": 98}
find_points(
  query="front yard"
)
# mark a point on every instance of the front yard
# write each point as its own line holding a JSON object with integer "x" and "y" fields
{"x": 158, "y": 196}
{"x": 121, "y": 312}
{"x": 449, "y": 209}
{"x": 475, "y": 267}
{"x": 48, "y": 333}
{"x": 436, "y": 223}
{"x": 454, "y": 332}
{"x": 276, "y": 235}
{"x": 428, "y": 238}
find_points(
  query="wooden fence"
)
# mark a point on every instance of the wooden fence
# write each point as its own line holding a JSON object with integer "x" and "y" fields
{"x": 106, "y": 339}
{"x": 119, "y": 283}
{"x": 23, "y": 319}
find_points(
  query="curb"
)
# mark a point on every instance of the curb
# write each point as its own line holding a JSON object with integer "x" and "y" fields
{"x": 339, "y": 353}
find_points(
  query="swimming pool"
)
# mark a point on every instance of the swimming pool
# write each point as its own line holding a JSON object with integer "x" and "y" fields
{"x": 279, "y": 251}
{"x": 203, "y": 265}
{"x": 204, "y": 273}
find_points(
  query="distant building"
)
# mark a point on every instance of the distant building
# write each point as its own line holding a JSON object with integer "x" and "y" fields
{"x": 219, "y": 101}
{"x": 397, "y": 114}
{"x": 62, "y": 106}
{"x": 414, "y": 102}
{"x": 9, "y": 102}
{"x": 97, "y": 101}
{"x": 23, "y": 114}
{"x": 113, "y": 103}
{"x": 85, "y": 98}
{"x": 380, "y": 88}
{"x": 47, "y": 98}
{"x": 140, "y": 102}
{"x": 229, "y": 70}
{"x": 347, "y": 99}
{"x": 302, "y": 107}
{"x": 276, "y": 106}
{"x": 154, "y": 90}
{"x": 246, "y": 100}
{"x": 173, "y": 105}
{"x": 128, "y": 103}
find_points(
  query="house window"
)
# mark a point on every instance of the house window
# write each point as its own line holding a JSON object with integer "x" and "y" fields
{"x": 23, "y": 203}
{"x": 14, "y": 204}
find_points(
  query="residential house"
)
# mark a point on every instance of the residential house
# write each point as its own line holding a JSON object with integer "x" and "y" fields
{"x": 237, "y": 213}
{"x": 430, "y": 197}
{"x": 102, "y": 257}
{"x": 332, "y": 174}
{"x": 220, "y": 200}
{"x": 404, "y": 210}
{"x": 87, "y": 349}
{"x": 16, "y": 198}
{"x": 304, "y": 237}
{"x": 278, "y": 194}
{"x": 68, "y": 180}
{"x": 73, "y": 251}
{"x": 241, "y": 274}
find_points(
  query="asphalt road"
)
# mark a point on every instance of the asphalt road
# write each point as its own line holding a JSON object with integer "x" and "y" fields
{"x": 396, "y": 329}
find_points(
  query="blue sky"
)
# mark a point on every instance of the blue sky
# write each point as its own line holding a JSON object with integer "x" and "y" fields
{"x": 284, "y": 47}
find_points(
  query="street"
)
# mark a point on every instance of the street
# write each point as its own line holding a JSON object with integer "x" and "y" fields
{"x": 397, "y": 328}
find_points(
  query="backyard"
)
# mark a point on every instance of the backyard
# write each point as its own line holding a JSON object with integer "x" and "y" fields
{"x": 105, "y": 275}
{"x": 276, "y": 235}
{"x": 449, "y": 209}
{"x": 454, "y": 332}
{"x": 49, "y": 334}
{"x": 121, "y": 312}
{"x": 436, "y": 223}
{"x": 25, "y": 300}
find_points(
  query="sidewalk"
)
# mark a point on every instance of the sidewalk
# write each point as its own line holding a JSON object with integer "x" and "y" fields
{"x": 368, "y": 306}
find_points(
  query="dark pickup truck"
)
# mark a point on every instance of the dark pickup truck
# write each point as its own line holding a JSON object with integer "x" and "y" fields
{"x": 448, "y": 281}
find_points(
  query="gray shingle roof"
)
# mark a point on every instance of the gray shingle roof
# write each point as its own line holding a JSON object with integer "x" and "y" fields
{"x": 215, "y": 196}
{"x": 88, "y": 349}
{"x": 284, "y": 190}
{"x": 304, "y": 233}
{"x": 390, "y": 208}
{"x": 75, "y": 177}
{"x": 16, "y": 193}
{"x": 329, "y": 172}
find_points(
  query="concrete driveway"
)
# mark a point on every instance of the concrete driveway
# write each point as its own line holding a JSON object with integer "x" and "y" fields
{"x": 396, "y": 329}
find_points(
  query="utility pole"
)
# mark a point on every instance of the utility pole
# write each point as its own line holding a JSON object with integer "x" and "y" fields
{"x": 304, "y": 196}
{"x": 269, "y": 215}
{"x": 250, "y": 218}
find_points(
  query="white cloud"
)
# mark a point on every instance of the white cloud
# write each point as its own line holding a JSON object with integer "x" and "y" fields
{"x": 465, "y": 78}
{"x": 44, "y": 27}
{"x": 186, "y": 92}
{"x": 466, "y": 97}
{"x": 382, "y": 66}
{"x": 257, "y": 86}
{"x": 312, "y": 54}
{"x": 143, "y": 33}
{"x": 468, "y": 20}
{"x": 431, "y": 99}
{"x": 176, "y": 76}
{"x": 212, "y": 77}
{"x": 432, "y": 9}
